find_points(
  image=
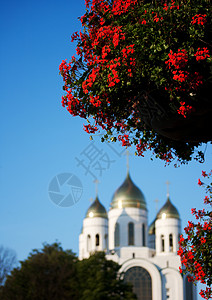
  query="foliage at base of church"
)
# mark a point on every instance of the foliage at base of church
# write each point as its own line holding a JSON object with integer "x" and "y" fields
{"x": 196, "y": 247}
{"x": 140, "y": 65}
{"x": 54, "y": 273}
{"x": 99, "y": 280}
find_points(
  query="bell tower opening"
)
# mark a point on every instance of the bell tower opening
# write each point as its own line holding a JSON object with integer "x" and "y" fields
{"x": 130, "y": 234}
{"x": 162, "y": 243}
{"x": 117, "y": 235}
{"x": 143, "y": 235}
{"x": 97, "y": 239}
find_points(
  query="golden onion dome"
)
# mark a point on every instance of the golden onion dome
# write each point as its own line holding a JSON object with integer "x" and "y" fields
{"x": 128, "y": 195}
{"x": 168, "y": 211}
{"x": 152, "y": 228}
{"x": 96, "y": 210}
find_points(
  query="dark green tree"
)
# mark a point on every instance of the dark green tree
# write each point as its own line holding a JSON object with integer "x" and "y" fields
{"x": 47, "y": 274}
{"x": 56, "y": 274}
{"x": 100, "y": 280}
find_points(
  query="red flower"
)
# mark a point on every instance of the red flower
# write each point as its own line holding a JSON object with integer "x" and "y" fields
{"x": 202, "y": 53}
{"x": 90, "y": 129}
{"x": 204, "y": 174}
{"x": 184, "y": 109}
{"x": 193, "y": 211}
{"x": 200, "y": 182}
{"x": 165, "y": 7}
{"x": 199, "y": 19}
{"x": 177, "y": 60}
{"x": 180, "y": 76}
{"x": 206, "y": 200}
{"x": 203, "y": 240}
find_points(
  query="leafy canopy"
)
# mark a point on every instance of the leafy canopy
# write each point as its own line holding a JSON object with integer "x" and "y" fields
{"x": 142, "y": 67}
{"x": 53, "y": 273}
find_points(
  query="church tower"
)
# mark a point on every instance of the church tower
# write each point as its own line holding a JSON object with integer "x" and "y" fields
{"x": 127, "y": 217}
{"x": 94, "y": 235}
{"x": 147, "y": 256}
{"x": 167, "y": 229}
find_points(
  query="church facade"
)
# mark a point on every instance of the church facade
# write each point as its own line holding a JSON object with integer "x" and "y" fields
{"x": 147, "y": 254}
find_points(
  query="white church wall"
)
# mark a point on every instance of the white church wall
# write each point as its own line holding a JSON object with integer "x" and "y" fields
{"x": 172, "y": 283}
{"x": 167, "y": 261}
{"x": 124, "y": 216}
{"x": 165, "y": 228}
{"x": 135, "y": 252}
{"x": 88, "y": 239}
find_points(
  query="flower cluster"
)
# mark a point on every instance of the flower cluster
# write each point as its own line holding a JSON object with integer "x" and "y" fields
{"x": 195, "y": 249}
{"x": 118, "y": 59}
{"x": 188, "y": 81}
{"x": 121, "y": 6}
{"x": 177, "y": 60}
{"x": 199, "y": 19}
{"x": 202, "y": 53}
{"x": 184, "y": 109}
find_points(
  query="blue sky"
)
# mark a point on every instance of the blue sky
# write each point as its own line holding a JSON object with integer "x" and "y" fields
{"x": 40, "y": 140}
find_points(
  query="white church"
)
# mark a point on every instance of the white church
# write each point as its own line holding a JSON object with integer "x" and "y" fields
{"x": 147, "y": 254}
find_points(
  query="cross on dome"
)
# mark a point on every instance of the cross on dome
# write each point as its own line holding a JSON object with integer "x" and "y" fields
{"x": 168, "y": 184}
{"x": 127, "y": 153}
{"x": 96, "y": 181}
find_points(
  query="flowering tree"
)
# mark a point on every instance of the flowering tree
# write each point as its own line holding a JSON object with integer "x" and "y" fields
{"x": 142, "y": 73}
{"x": 195, "y": 249}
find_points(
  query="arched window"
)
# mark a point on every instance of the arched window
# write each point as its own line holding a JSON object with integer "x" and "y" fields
{"x": 167, "y": 293}
{"x": 117, "y": 235}
{"x": 130, "y": 233}
{"x": 106, "y": 241}
{"x": 97, "y": 239}
{"x": 171, "y": 243}
{"x": 88, "y": 243}
{"x": 141, "y": 281}
{"x": 162, "y": 243}
{"x": 143, "y": 236}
